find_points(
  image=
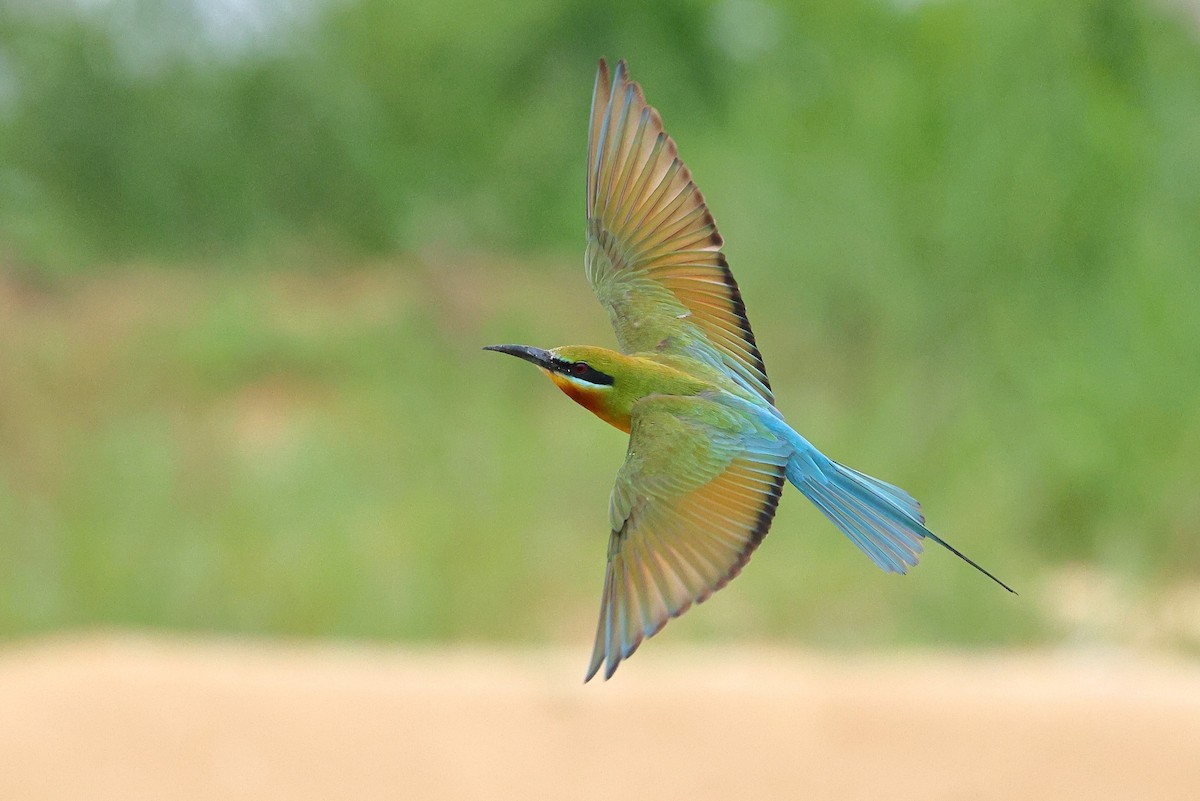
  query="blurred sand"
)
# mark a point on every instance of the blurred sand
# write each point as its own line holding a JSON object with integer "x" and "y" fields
{"x": 122, "y": 717}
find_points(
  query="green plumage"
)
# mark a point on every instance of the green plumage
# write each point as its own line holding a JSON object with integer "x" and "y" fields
{"x": 708, "y": 452}
{"x": 694, "y": 497}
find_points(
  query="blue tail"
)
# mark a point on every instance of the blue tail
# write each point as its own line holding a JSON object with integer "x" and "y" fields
{"x": 881, "y": 519}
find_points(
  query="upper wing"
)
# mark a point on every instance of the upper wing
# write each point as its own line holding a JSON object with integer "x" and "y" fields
{"x": 653, "y": 253}
{"x": 693, "y": 499}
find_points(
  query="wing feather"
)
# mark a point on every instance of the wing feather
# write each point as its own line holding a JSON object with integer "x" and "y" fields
{"x": 654, "y": 253}
{"x": 695, "y": 496}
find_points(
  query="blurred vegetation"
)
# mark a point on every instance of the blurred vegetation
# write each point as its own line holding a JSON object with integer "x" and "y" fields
{"x": 248, "y": 252}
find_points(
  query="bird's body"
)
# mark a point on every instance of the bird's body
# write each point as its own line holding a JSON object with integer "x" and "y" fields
{"x": 642, "y": 375}
{"x": 708, "y": 451}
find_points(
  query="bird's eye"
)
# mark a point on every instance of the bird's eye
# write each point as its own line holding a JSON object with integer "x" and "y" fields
{"x": 579, "y": 368}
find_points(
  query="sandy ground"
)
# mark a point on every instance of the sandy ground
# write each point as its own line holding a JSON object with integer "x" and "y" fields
{"x": 129, "y": 718}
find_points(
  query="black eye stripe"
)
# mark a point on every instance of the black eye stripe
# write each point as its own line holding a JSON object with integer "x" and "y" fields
{"x": 587, "y": 373}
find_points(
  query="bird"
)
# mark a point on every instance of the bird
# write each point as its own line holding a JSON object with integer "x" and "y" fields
{"x": 708, "y": 452}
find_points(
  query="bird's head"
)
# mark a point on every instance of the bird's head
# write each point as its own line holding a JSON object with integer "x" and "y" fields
{"x": 588, "y": 375}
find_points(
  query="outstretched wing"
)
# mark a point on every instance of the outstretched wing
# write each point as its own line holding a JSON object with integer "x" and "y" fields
{"x": 653, "y": 253}
{"x": 693, "y": 499}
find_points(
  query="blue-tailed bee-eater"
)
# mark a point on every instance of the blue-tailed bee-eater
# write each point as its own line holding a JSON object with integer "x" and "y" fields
{"x": 708, "y": 451}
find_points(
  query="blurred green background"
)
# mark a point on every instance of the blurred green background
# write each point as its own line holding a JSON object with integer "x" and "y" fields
{"x": 249, "y": 251}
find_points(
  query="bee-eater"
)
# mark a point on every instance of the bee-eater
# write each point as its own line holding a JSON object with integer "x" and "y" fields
{"x": 708, "y": 451}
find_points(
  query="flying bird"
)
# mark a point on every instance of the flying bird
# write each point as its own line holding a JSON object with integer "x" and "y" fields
{"x": 708, "y": 450}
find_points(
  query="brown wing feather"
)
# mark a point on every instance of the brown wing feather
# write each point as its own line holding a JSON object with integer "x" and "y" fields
{"x": 654, "y": 253}
{"x": 683, "y": 528}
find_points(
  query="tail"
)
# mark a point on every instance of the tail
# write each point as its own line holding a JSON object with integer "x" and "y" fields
{"x": 881, "y": 519}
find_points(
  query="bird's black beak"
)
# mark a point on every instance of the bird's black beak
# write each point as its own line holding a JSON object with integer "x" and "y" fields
{"x": 541, "y": 358}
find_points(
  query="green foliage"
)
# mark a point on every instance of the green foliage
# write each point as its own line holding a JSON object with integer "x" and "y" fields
{"x": 966, "y": 232}
{"x": 333, "y": 454}
{"x": 1014, "y": 138}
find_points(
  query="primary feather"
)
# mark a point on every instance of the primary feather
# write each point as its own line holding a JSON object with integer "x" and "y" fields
{"x": 653, "y": 251}
{"x": 692, "y": 501}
